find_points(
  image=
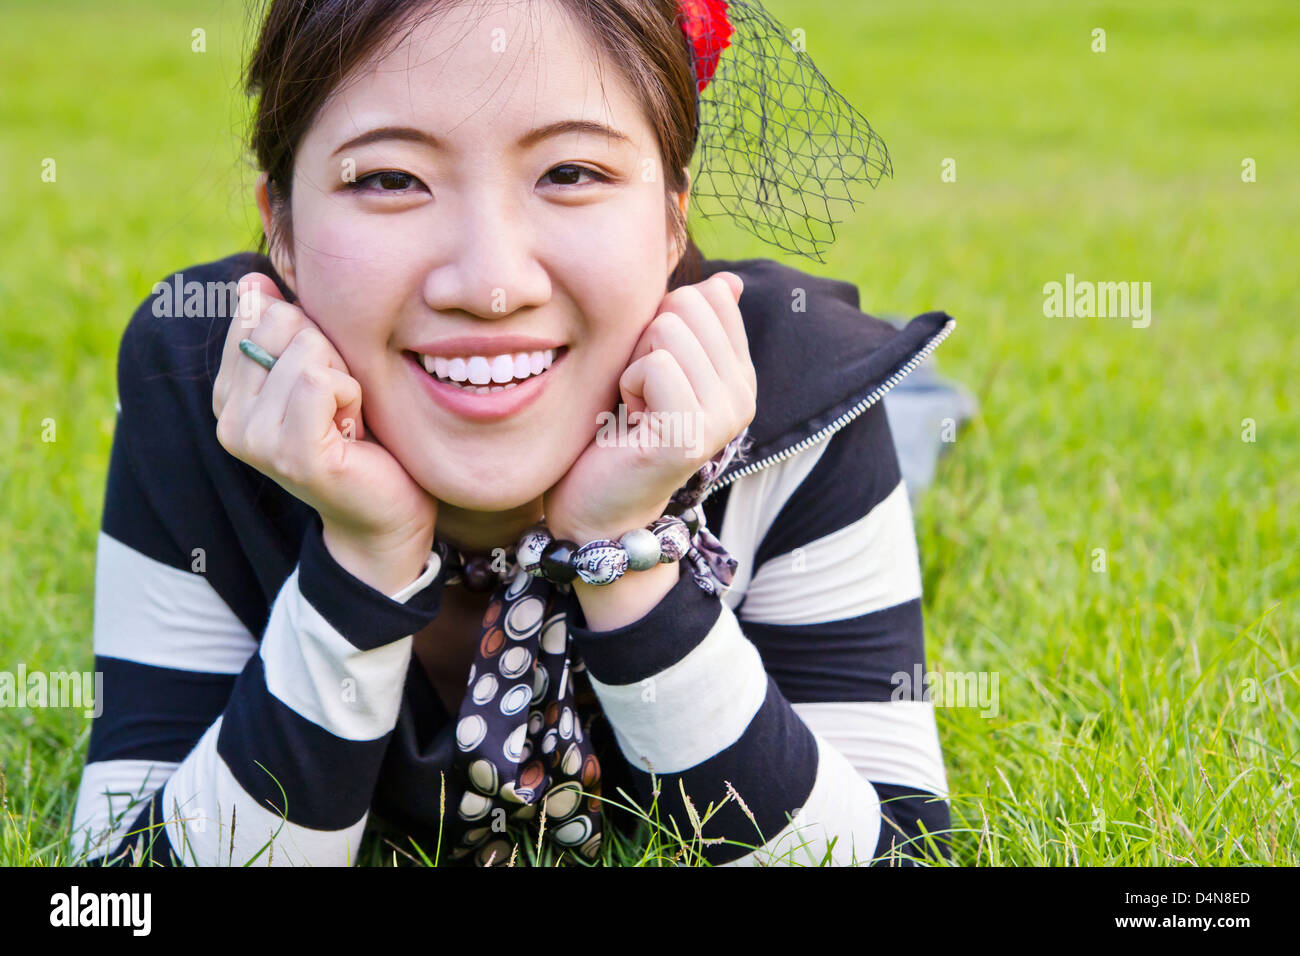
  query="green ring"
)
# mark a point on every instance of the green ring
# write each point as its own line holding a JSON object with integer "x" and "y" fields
{"x": 258, "y": 354}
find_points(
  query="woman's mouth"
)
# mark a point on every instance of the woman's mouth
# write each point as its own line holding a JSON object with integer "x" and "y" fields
{"x": 486, "y": 388}
{"x": 484, "y": 374}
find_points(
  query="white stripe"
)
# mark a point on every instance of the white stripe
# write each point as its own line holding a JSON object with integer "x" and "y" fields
{"x": 317, "y": 672}
{"x": 867, "y": 566}
{"x": 692, "y": 710}
{"x": 203, "y": 799}
{"x": 151, "y": 613}
{"x": 893, "y": 741}
{"x": 432, "y": 565}
{"x": 752, "y": 506}
{"x": 841, "y": 807}
{"x": 111, "y": 796}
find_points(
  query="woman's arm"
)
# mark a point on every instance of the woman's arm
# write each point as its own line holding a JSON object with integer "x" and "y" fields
{"x": 294, "y": 752}
{"x": 211, "y": 748}
{"x": 790, "y": 700}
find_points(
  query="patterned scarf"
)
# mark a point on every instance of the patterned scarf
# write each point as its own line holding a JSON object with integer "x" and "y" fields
{"x": 523, "y": 733}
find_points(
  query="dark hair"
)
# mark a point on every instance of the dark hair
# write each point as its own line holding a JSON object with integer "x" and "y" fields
{"x": 306, "y": 48}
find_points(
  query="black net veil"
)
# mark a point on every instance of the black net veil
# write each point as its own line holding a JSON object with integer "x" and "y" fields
{"x": 778, "y": 150}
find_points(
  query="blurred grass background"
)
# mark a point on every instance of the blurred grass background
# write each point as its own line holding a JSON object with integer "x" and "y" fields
{"x": 1147, "y": 714}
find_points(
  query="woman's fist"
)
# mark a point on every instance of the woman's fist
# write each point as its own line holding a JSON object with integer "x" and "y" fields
{"x": 300, "y": 424}
{"x": 690, "y": 387}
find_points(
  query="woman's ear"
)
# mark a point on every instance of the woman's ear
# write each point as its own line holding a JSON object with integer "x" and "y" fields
{"x": 280, "y": 259}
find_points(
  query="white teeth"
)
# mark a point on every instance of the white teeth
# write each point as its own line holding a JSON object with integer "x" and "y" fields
{"x": 503, "y": 368}
{"x": 499, "y": 372}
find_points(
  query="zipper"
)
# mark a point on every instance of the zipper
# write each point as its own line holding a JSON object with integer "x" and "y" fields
{"x": 822, "y": 434}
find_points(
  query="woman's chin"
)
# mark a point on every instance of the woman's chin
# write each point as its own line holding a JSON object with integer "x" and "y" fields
{"x": 485, "y": 497}
{"x": 487, "y": 481}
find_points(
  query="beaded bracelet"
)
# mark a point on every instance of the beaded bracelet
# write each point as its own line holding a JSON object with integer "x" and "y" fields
{"x": 605, "y": 560}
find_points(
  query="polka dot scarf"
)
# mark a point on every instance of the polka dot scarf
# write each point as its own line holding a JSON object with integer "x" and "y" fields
{"x": 523, "y": 732}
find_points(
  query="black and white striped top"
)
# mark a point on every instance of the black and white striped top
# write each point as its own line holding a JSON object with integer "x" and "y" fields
{"x": 225, "y": 630}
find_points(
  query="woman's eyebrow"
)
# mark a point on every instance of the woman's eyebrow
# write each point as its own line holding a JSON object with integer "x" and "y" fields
{"x": 571, "y": 126}
{"x": 532, "y": 137}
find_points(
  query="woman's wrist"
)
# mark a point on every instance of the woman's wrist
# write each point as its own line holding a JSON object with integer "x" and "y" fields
{"x": 387, "y": 566}
{"x": 630, "y": 598}
{"x": 635, "y": 589}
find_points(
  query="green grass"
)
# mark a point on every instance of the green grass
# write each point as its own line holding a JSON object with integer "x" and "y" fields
{"x": 1147, "y": 713}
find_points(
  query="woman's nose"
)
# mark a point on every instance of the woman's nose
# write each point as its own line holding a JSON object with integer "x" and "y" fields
{"x": 489, "y": 264}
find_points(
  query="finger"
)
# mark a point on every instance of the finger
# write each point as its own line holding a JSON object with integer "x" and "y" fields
{"x": 308, "y": 349}
{"x": 280, "y": 322}
{"x": 723, "y": 291}
{"x": 312, "y": 412}
{"x": 246, "y": 377}
{"x": 736, "y": 283}
{"x": 276, "y": 321}
{"x": 702, "y": 307}
{"x": 256, "y": 291}
{"x": 673, "y": 334}
{"x": 276, "y": 324}
{"x": 272, "y": 436}
{"x": 659, "y": 382}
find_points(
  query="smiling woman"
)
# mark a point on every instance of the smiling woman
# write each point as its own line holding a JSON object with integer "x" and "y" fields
{"x": 485, "y": 177}
{"x": 474, "y": 218}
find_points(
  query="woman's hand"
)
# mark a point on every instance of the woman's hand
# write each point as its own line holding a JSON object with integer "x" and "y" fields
{"x": 300, "y": 424}
{"x": 693, "y": 382}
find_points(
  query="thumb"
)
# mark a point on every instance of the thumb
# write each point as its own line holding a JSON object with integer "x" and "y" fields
{"x": 347, "y": 400}
{"x": 349, "y": 417}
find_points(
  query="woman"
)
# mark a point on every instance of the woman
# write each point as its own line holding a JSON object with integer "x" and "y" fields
{"x": 327, "y": 585}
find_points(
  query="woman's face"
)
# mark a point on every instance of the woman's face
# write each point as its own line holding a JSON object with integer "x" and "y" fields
{"x": 500, "y": 227}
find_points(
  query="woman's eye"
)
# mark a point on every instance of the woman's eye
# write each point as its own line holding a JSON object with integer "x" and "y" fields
{"x": 390, "y": 180}
{"x": 569, "y": 175}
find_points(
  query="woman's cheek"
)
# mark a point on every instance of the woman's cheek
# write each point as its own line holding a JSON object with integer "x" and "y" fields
{"x": 618, "y": 263}
{"x": 342, "y": 282}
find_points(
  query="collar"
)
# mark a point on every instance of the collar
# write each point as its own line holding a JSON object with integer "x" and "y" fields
{"x": 820, "y": 361}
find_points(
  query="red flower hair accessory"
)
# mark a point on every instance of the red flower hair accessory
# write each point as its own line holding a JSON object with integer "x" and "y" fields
{"x": 709, "y": 31}
{"x": 777, "y": 149}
